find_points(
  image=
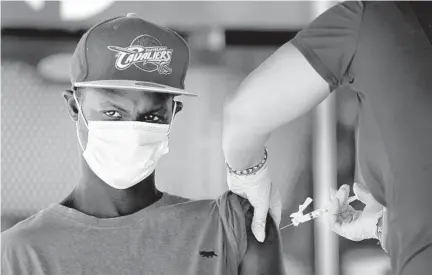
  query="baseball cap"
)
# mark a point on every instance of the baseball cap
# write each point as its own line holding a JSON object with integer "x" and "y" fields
{"x": 127, "y": 52}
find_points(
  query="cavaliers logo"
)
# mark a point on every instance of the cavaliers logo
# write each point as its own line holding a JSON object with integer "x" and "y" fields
{"x": 146, "y": 53}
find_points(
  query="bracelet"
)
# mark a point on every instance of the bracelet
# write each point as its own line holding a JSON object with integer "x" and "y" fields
{"x": 249, "y": 171}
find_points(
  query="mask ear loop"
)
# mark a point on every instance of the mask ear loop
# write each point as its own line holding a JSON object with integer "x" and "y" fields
{"x": 80, "y": 112}
{"x": 172, "y": 118}
{"x": 85, "y": 121}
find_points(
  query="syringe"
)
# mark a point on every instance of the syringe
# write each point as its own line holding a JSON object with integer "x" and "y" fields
{"x": 312, "y": 215}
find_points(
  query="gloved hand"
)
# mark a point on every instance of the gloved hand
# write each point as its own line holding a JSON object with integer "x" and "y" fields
{"x": 262, "y": 195}
{"x": 354, "y": 224}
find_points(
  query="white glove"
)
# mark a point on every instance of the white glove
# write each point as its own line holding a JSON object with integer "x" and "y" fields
{"x": 350, "y": 223}
{"x": 262, "y": 195}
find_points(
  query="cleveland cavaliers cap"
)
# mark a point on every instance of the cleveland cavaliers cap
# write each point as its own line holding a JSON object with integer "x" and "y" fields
{"x": 127, "y": 52}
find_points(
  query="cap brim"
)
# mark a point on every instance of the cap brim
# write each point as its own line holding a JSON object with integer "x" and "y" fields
{"x": 133, "y": 85}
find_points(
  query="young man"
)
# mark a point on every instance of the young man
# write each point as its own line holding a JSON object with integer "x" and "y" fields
{"x": 125, "y": 74}
{"x": 382, "y": 50}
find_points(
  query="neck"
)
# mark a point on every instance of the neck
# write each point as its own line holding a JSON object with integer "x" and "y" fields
{"x": 94, "y": 197}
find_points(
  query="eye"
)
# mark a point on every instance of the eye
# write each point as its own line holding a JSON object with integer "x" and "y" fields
{"x": 113, "y": 114}
{"x": 153, "y": 118}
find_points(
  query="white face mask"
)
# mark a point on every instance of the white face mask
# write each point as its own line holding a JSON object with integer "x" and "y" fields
{"x": 123, "y": 153}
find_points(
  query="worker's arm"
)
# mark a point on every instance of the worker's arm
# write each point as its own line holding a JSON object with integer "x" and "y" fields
{"x": 296, "y": 78}
{"x": 266, "y": 257}
{"x": 280, "y": 90}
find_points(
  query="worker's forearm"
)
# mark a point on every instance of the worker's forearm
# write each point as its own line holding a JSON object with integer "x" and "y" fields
{"x": 246, "y": 130}
{"x": 281, "y": 89}
{"x": 246, "y": 127}
{"x": 242, "y": 149}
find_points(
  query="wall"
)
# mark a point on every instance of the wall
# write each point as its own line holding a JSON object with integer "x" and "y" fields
{"x": 184, "y": 14}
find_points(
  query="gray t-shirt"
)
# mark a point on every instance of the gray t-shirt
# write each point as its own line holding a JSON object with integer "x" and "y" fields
{"x": 172, "y": 236}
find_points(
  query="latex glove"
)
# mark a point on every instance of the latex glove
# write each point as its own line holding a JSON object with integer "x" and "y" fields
{"x": 262, "y": 195}
{"x": 354, "y": 224}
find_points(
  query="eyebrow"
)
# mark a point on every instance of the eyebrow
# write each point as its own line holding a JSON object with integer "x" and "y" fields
{"x": 110, "y": 102}
{"x": 109, "y": 91}
{"x": 116, "y": 106}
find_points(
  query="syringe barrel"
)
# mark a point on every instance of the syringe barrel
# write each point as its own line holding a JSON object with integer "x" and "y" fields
{"x": 314, "y": 214}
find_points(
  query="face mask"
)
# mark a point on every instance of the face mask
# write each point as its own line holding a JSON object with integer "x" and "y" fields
{"x": 123, "y": 153}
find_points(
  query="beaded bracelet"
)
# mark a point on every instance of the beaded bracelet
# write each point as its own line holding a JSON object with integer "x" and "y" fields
{"x": 249, "y": 171}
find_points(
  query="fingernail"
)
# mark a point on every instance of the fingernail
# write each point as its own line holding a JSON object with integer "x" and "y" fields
{"x": 258, "y": 235}
{"x": 260, "y": 238}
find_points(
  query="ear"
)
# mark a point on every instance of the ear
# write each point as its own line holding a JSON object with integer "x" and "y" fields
{"x": 179, "y": 107}
{"x": 71, "y": 105}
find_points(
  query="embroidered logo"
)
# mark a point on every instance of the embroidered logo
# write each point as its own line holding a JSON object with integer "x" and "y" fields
{"x": 208, "y": 254}
{"x": 146, "y": 53}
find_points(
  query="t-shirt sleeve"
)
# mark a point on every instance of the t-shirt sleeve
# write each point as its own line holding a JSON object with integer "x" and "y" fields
{"x": 330, "y": 41}
{"x": 233, "y": 209}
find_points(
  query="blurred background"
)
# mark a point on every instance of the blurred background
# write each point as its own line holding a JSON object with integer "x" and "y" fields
{"x": 39, "y": 149}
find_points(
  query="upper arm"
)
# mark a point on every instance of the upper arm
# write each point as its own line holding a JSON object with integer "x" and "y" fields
{"x": 281, "y": 89}
{"x": 299, "y": 75}
{"x": 266, "y": 257}
{"x": 329, "y": 43}
{"x": 244, "y": 253}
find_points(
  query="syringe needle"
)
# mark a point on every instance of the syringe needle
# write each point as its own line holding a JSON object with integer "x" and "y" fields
{"x": 288, "y": 225}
